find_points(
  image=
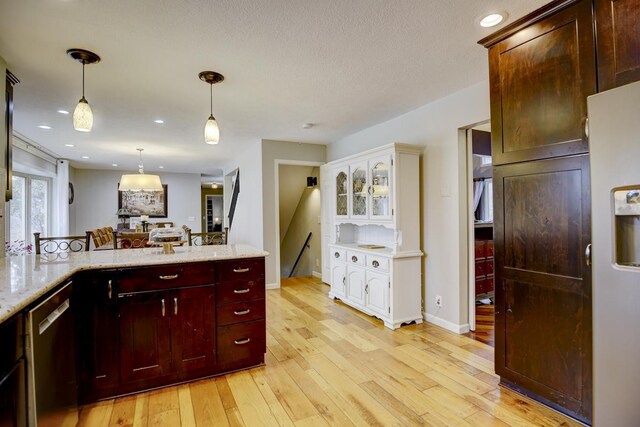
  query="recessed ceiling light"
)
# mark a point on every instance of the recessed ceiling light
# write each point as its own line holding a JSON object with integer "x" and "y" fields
{"x": 44, "y": 127}
{"x": 114, "y": 164}
{"x": 307, "y": 126}
{"x": 85, "y": 157}
{"x": 214, "y": 186}
{"x": 63, "y": 112}
{"x": 69, "y": 145}
{"x": 158, "y": 121}
{"x": 492, "y": 20}
{"x": 160, "y": 167}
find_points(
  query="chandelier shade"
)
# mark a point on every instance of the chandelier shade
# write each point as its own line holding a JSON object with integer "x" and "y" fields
{"x": 83, "y": 116}
{"x": 140, "y": 182}
{"x": 211, "y": 131}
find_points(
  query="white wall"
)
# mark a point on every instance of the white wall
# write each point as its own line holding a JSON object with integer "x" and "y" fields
{"x": 435, "y": 126}
{"x": 247, "y": 223}
{"x": 96, "y": 199}
{"x": 292, "y": 183}
{"x": 272, "y": 151}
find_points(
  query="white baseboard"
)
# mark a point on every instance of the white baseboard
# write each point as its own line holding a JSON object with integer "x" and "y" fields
{"x": 272, "y": 286}
{"x": 316, "y": 274}
{"x": 450, "y": 326}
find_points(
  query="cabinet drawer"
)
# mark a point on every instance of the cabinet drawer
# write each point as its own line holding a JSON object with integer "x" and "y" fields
{"x": 356, "y": 258}
{"x": 489, "y": 249}
{"x": 241, "y": 345}
{"x": 228, "y": 314}
{"x": 339, "y": 255}
{"x": 378, "y": 263}
{"x": 480, "y": 268}
{"x": 489, "y": 267}
{"x": 481, "y": 286}
{"x": 489, "y": 286}
{"x": 480, "y": 247}
{"x": 228, "y": 293}
{"x": 142, "y": 279}
{"x": 240, "y": 270}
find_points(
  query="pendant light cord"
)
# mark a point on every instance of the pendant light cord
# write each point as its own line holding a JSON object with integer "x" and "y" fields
{"x": 83, "y": 79}
{"x": 211, "y": 93}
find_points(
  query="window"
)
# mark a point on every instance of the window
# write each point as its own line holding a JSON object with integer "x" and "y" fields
{"x": 30, "y": 207}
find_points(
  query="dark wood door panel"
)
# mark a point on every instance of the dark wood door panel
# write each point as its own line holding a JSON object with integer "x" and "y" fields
{"x": 145, "y": 339}
{"x": 193, "y": 329}
{"x": 543, "y": 222}
{"x": 550, "y": 357}
{"x": 617, "y": 23}
{"x": 540, "y": 79}
{"x": 543, "y": 309}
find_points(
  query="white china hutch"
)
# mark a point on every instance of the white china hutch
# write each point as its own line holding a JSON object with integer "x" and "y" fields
{"x": 374, "y": 249}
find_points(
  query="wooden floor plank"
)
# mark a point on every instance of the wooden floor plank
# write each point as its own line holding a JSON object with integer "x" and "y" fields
{"x": 328, "y": 364}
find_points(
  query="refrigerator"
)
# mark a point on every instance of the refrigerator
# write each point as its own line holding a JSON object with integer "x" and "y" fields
{"x": 614, "y": 140}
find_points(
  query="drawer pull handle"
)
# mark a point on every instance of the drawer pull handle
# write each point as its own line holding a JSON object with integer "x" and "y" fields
{"x": 175, "y": 306}
{"x": 375, "y": 264}
{"x": 241, "y": 270}
{"x": 109, "y": 289}
{"x": 337, "y": 254}
{"x": 354, "y": 258}
{"x": 169, "y": 277}
{"x": 162, "y": 303}
{"x": 242, "y": 341}
{"x": 242, "y": 312}
{"x": 241, "y": 291}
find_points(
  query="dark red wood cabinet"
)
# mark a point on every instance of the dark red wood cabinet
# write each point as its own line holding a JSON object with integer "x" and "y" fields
{"x": 147, "y": 327}
{"x": 618, "y": 43}
{"x": 13, "y": 395}
{"x": 542, "y": 68}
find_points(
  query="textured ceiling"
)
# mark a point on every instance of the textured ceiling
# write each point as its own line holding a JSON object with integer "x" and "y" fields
{"x": 341, "y": 64}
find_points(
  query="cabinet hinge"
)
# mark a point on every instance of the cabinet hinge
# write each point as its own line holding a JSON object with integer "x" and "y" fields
{"x": 392, "y": 211}
{"x": 391, "y": 162}
{"x": 389, "y": 309}
{"x": 389, "y": 284}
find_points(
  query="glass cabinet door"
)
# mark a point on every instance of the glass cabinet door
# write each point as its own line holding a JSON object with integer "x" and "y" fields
{"x": 359, "y": 191}
{"x": 342, "y": 197}
{"x": 380, "y": 187}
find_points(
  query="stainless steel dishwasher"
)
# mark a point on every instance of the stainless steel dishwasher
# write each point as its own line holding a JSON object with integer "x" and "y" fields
{"x": 51, "y": 373}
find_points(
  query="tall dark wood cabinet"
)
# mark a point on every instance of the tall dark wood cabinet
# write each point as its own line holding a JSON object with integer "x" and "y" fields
{"x": 542, "y": 68}
{"x": 617, "y": 27}
{"x": 11, "y": 81}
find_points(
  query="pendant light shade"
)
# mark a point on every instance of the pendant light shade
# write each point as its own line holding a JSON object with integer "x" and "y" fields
{"x": 211, "y": 129}
{"x": 83, "y": 116}
{"x": 140, "y": 181}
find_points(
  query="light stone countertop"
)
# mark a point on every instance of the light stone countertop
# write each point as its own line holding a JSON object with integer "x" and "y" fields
{"x": 25, "y": 278}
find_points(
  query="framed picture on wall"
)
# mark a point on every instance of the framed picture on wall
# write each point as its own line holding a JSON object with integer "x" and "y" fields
{"x": 152, "y": 203}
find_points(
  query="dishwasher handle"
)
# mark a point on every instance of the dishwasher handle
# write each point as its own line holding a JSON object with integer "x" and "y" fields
{"x": 53, "y": 316}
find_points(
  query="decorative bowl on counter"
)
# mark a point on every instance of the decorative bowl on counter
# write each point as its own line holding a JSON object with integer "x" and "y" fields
{"x": 167, "y": 235}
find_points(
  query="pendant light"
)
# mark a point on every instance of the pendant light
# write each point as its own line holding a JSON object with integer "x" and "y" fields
{"x": 211, "y": 129}
{"x": 82, "y": 115}
{"x": 140, "y": 181}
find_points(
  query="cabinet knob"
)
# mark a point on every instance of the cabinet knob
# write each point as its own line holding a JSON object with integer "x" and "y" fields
{"x": 375, "y": 264}
{"x": 354, "y": 258}
{"x": 337, "y": 254}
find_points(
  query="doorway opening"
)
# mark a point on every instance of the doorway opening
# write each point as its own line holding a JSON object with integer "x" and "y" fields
{"x": 298, "y": 220}
{"x": 480, "y": 234}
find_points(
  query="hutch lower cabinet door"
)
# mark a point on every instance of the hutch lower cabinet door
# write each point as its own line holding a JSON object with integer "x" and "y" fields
{"x": 543, "y": 283}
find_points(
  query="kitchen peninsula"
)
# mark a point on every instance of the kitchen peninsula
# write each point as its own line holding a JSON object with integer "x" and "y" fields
{"x": 133, "y": 320}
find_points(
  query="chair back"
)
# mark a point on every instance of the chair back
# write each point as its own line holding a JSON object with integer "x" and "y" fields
{"x": 205, "y": 239}
{"x": 49, "y": 245}
{"x": 130, "y": 240}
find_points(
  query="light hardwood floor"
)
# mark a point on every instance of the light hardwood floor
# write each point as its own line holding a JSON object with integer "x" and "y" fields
{"x": 485, "y": 328}
{"x": 327, "y": 364}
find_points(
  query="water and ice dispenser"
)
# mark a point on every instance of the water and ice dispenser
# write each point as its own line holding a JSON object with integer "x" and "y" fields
{"x": 626, "y": 202}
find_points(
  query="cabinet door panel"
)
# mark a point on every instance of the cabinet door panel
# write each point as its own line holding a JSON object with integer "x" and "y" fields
{"x": 380, "y": 187}
{"x": 540, "y": 79}
{"x": 359, "y": 191}
{"x": 378, "y": 293}
{"x": 338, "y": 279}
{"x": 543, "y": 310}
{"x": 356, "y": 285}
{"x": 341, "y": 208}
{"x": 193, "y": 325}
{"x": 97, "y": 335}
{"x": 145, "y": 336}
{"x": 617, "y": 23}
